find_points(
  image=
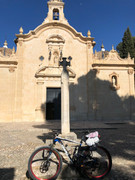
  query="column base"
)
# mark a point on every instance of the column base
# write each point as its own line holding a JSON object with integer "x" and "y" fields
{"x": 70, "y": 135}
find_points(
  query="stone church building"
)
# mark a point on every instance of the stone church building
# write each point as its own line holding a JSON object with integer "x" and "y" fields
{"x": 101, "y": 87}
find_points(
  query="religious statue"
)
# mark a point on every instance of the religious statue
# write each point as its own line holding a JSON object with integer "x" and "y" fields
{"x": 114, "y": 81}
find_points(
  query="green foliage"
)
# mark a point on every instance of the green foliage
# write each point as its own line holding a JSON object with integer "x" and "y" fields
{"x": 119, "y": 49}
{"x": 127, "y": 45}
{"x": 134, "y": 41}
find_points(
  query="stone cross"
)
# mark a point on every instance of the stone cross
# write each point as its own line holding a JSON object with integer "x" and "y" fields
{"x": 65, "y": 114}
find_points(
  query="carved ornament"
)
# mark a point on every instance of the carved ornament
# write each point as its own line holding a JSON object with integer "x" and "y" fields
{"x": 97, "y": 71}
{"x": 20, "y": 43}
{"x": 55, "y": 39}
{"x": 130, "y": 71}
{"x": 11, "y": 69}
{"x": 89, "y": 45}
{"x": 53, "y": 72}
{"x": 40, "y": 82}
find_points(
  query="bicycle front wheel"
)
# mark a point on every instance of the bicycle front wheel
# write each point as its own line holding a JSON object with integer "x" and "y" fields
{"x": 45, "y": 163}
{"x": 98, "y": 164}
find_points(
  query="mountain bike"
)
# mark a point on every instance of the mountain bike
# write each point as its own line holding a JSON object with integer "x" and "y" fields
{"x": 89, "y": 158}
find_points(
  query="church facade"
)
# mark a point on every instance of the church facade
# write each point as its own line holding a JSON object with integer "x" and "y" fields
{"x": 100, "y": 89}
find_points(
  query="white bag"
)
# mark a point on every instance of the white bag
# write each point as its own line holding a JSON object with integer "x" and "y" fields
{"x": 92, "y": 141}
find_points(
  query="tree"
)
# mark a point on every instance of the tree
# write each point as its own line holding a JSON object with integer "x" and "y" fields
{"x": 127, "y": 45}
{"x": 134, "y": 41}
{"x": 119, "y": 49}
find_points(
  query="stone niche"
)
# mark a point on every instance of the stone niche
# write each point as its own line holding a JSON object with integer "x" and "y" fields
{"x": 55, "y": 48}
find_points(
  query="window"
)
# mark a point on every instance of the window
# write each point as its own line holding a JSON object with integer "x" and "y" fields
{"x": 41, "y": 58}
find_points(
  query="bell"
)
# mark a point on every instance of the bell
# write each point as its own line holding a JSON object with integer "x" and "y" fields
{"x": 56, "y": 15}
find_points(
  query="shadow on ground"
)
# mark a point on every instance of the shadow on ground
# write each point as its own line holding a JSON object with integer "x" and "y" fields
{"x": 119, "y": 140}
{"x": 7, "y": 173}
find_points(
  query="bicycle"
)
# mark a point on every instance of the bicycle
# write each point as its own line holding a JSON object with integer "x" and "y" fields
{"x": 89, "y": 158}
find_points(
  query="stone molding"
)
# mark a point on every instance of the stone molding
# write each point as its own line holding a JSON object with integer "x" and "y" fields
{"x": 56, "y": 3}
{"x": 11, "y": 69}
{"x": 130, "y": 71}
{"x": 97, "y": 71}
{"x": 35, "y": 33}
{"x": 111, "y": 65}
{"x": 113, "y": 59}
{"x": 40, "y": 82}
{"x": 54, "y": 72}
{"x": 8, "y": 62}
{"x": 55, "y": 38}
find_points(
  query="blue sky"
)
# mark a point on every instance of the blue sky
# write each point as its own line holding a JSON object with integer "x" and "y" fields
{"x": 106, "y": 19}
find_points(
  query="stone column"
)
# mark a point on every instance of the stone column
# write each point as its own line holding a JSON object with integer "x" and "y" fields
{"x": 65, "y": 122}
{"x": 65, "y": 115}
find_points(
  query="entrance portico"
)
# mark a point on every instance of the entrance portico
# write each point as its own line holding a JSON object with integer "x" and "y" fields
{"x": 48, "y": 92}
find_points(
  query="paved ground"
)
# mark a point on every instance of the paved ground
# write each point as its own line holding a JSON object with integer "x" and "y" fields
{"x": 18, "y": 140}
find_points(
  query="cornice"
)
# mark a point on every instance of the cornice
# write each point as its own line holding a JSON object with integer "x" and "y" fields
{"x": 9, "y": 62}
{"x": 42, "y": 72}
{"x": 113, "y": 59}
{"x": 35, "y": 33}
{"x": 112, "y": 65}
{"x": 55, "y": 3}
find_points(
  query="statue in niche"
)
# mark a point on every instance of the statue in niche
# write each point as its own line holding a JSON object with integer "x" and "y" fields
{"x": 114, "y": 81}
{"x": 55, "y": 58}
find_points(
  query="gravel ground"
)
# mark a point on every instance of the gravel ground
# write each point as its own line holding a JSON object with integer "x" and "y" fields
{"x": 19, "y": 140}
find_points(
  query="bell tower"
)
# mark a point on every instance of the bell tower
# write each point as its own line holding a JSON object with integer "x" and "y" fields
{"x": 55, "y": 12}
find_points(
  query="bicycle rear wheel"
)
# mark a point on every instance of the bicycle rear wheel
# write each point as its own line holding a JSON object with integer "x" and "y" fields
{"x": 45, "y": 163}
{"x": 98, "y": 164}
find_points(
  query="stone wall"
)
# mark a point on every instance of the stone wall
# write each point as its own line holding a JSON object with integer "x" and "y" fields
{"x": 7, "y": 87}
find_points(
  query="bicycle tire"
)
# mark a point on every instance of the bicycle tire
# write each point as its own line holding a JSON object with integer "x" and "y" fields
{"x": 45, "y": 163}
{"x": 99, "y": 165}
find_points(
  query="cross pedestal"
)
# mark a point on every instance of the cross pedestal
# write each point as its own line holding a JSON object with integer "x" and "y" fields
{"x": 65, "y": 114}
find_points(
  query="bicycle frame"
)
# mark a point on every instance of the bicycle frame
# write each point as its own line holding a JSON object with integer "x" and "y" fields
{"x": 59, "y": 140}
{"x": 43, "y": 159}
